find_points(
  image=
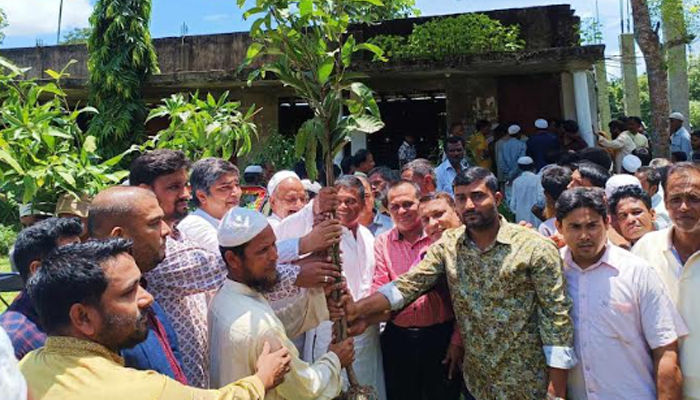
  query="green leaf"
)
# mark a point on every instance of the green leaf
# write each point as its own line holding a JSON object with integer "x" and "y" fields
{"x": 9, "y": 160}
{"x": 347, "y": 50}
{"x": 375, "y": 2}
{"x": 53, "y": 74}
{"x": 306, "y": 7}
{"x": 367, "y": 124}
{"x": 90, "y": 144}
{"x": 325, "y": 70}
{"x": 253, "y": 50}
{"x": 372, "y": 48}
{"x": 67, "y": 177}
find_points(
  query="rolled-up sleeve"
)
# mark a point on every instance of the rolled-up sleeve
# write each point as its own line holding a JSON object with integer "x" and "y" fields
{"x": 555, "y": 324}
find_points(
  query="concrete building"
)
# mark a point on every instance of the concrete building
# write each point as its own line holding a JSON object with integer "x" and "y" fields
{"x": 550, "y": 78}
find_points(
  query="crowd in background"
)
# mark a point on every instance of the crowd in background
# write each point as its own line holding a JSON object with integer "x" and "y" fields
{"x": 170, "y": 287}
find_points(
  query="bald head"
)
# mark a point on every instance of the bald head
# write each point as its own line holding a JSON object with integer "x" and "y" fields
{"x": 132, "y": 213}
{"x": 289, "y": 197}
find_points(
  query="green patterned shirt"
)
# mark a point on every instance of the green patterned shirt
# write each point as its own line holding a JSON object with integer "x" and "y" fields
{"x": 511, "y": 305}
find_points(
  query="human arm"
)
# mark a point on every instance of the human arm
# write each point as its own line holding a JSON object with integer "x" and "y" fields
{"x": 615, "y": 144}
{"x": 555, "y": 325}
{"x": 669, "y": 380}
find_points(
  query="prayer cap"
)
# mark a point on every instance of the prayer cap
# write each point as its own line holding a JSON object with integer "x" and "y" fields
{"x": 677, "y": 115}
{"x": 253, "y": 169}
{"x": 541, "y": 124}
{"x": 314, "y": 186}
{"x": 631, "y": 163}
{"x": 525, "y": 161}
{"x": 620, "y": 180}
{"x": 239, "y": 226}
{"x": 513, "y": 130}
{"x": 277, "y": 179}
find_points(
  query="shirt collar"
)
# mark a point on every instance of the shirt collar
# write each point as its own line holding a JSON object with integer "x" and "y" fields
{"x": 71, "y": 346}
{"x": 609, "y": 258}
{"x": 241, "y": 288}
{"x": 24, "y": 305}
{"x": 504, "y": 236}
{"x": 207, "y": 217}
{"x": 396, "y": 236}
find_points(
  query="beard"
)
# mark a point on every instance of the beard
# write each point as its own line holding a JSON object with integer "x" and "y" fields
{"x": 482, "y": 221}
{"x": 124, "y": 332}
{"x": 264, "y": 284}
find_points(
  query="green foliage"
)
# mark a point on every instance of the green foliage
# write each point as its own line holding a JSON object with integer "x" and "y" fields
{"x": 7, "y": 239}
{"x": 616, "y": 98}
{"x": 591, "y": 31}
{"x": 463, "y": 34}
{"x": 311, "y": 51}
{"x": 276, "y": 149}
{"x": 392, "y": 9}
{"x": 77, "y": 36}
{"x": 121, "y": 58}
{"x": 204, "y": 128}
{"x": 43, "y": 151}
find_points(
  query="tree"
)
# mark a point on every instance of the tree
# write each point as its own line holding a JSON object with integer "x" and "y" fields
{"x": 77, "y": 36}
{"x": 648, "y": 41}
{"x": 3, "y": 25}
{"x": 309, "y": 49}
{"x": 121, "y": 58}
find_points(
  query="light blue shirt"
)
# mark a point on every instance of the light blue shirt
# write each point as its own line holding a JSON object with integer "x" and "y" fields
{"x": 446, "y": 174}
{"x": 510, "y": 152}
{"x": 526, "y": 192}
{"x": 380, "y": 224}
{"x": 680, "y": 141}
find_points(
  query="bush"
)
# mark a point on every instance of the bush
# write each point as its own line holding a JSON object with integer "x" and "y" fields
{"x": 464, "y": 34}
{"x": 7, "y": 239}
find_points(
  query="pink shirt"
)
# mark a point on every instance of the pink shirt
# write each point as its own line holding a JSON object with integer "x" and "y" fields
{"x": 621, "y": 311}
{"x": 394, "y": 256}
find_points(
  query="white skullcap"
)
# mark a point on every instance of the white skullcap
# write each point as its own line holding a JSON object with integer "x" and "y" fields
{"x": 541, "y": 124}
{"x": 277, "y": 179}
{"x": 239, "y": 226}
{"x": 314, "y": 187}
{"x": 620, "y": 180}
{"x": 631, "y": 163}
{"x": 677, "y": 115}
{"x": 513, "y": 130}
{"x": 525, "y": 161}
{"x": 253, "y": 169}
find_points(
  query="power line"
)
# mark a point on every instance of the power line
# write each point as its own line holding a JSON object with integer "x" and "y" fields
{"x": 60, "y": 15}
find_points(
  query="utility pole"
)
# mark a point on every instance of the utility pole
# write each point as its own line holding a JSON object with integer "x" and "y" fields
{"x": 60, "y": 15}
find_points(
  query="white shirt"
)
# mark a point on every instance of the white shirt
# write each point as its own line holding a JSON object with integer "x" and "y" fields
{"x": 624, "y": 144}
{"x": 241, "y": 321}
{"x": 202, "y": 228}
{"x": 621, "y": 311}
{"x": 358, "y": 269}
{"x": 663, "y": 220}
{"x": 683, "y": 284}
{"x": 12, "y": 383}
{"x": 548, "y": 227}
{"x": 526, "y": 192}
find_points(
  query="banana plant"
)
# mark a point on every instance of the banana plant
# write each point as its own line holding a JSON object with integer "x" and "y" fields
{"x": 307, "y": 47}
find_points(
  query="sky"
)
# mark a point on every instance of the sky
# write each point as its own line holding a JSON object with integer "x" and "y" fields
{"x": 33, "y": 21}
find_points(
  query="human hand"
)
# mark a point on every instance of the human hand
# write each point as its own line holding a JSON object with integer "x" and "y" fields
{"x": 558, "y": 240}
{"x": 316, "y": 271}
{"x": 453, "y": 359}
{"x": 271, "y": 367}
{"x": 336, "y": 308}
{"x": 326, "y": 201}
{"x": 323, "y": 235}
{"x": 345, "y": 351}
{"x": 526, "y": 224}
{"x": 357, "y": 327}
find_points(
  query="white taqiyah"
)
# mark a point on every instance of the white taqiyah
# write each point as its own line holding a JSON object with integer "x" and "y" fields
{"x": 239, "y": 226}
{"x": 278, "y": 178}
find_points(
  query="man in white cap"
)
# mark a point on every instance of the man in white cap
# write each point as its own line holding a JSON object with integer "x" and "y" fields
{"x": 680, "y": 137}
{"x": 287, "y": 196}
{"x": 254, "y": 175}
{"x": 241, "y": 320}
{"x": 527, "y": 190}
{"x": 510, "y": 151}
{"x": 542, "y": 144}
{"x": 630, "y": 164}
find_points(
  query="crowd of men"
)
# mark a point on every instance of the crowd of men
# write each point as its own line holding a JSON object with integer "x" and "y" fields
{"x": 168, "y": 289}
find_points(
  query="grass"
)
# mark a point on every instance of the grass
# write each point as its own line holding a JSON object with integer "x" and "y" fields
{"x": 8, "y": 297}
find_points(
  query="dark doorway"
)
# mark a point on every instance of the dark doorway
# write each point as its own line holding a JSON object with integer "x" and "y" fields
{"x": 523, "y": 99}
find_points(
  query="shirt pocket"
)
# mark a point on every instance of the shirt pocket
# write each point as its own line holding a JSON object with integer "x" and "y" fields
{"x": 616, "y": 320}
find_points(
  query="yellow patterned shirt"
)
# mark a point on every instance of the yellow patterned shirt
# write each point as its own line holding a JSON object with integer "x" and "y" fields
{"x": 511, "y": 305}
{"x": 70, "y": 368}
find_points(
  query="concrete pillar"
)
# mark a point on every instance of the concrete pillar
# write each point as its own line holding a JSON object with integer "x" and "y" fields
{"x": 630, "y": 80}
{"x": 604, "y": 114}
{"x": 358, "y": 142}
{"x": 459, "y": 108}
{"x": 568, "y": 102}
{"x": 674, "y": 30}
{"x": 583, "y": 106}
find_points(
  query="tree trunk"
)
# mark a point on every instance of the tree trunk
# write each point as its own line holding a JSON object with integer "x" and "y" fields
{"x": 675, "y": 43}
{"x": 648, "y": 41}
